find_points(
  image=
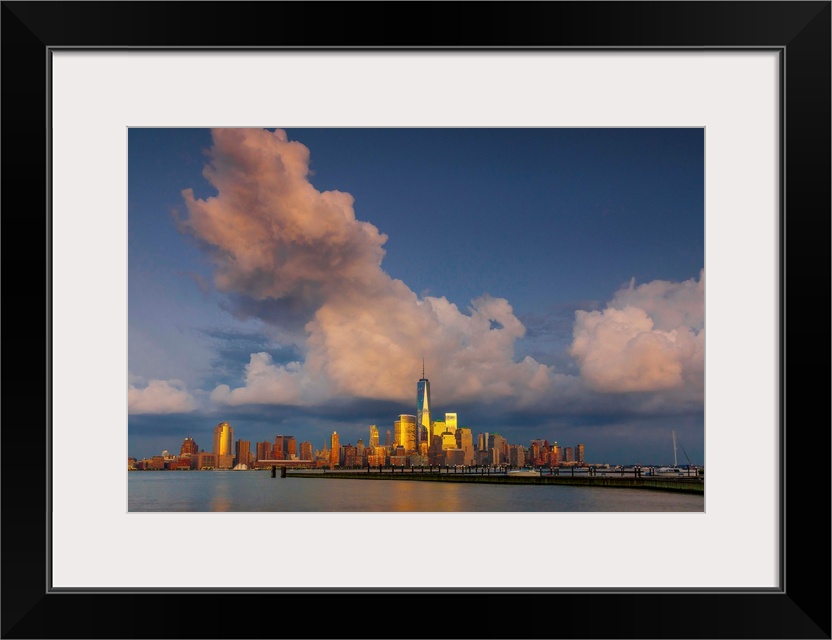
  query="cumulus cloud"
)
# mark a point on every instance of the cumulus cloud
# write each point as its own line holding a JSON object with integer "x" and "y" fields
{"x": 649, "y": 338}
{"x": 272, "y": 235}
{"x": 281, "y": 247}
{"x": 159, "y": 396}
{"x": 286, "y": 253}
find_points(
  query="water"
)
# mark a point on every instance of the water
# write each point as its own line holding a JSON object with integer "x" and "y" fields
{"x": 257, "y": 491}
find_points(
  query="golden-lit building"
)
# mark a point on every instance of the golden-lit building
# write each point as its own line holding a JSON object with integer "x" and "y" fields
{"x": 224, "y": 446}
{"x": 437, "y": 428}
{"x": 448, "y": 440}
{"x": 405, "y": 432}
{"x": 223, "y": 440}
{"x": 334, "y": 450}
{"x": 306, "y": 450}
{"x": 450, "y": 422}
{"x": 555, "y": 455}
{"x": 373, "y": 435}
{"x": 422, "y": 416}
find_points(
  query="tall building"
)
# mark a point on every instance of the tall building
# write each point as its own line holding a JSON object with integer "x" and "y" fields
{"x": 264, "y": 450}
{"x": 555, "y": 455}
{"x": 465, "y": 439}
{"x": 450, "y": 422}
{"x": 423, "y": 409}
{"x": 223, "y": 445}
{"x": 360, "y": 453}
{"x": 334, "y": 450}
{"x": 579, "y": 454}
{"x": 306, "y": 450}
{"x": 287, "y": 445}
{"x": 223, "y": 439}
{"x": 405, "y": 432}
{"x": 242, "y": 452}
{"x": 373, "y": 435}
{"x": 188, "y": 447}
{"x": 350, "y": 457}
{"x": 517, "y": 456}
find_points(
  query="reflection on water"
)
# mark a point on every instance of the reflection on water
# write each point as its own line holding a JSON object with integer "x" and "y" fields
{"x": 257, "y": 491}
{"x": 221, "y": 499}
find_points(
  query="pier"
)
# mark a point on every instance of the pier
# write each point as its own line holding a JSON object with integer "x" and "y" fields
{"x": 688, "y": 484}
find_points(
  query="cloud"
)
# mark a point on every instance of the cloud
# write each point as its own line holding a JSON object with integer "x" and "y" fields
{"x": 159, "y": 396}
{"x": 649, "y": 338}
{"x": 271, "y": 234}
{"x": 266, "y": 383}
{"x": 282, "y": 248}
{"x": 290, "y": 255}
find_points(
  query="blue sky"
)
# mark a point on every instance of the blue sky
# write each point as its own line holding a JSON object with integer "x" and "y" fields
{"x": 552, "y": 279}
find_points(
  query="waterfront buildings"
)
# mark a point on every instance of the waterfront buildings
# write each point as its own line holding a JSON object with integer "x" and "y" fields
{"x": 223, "y": 446}
{"x": 334, "y": 450}
{"x": 264, "y": 450}
{"x": 188, "y": 447}
{"x": 242, "y": 452}
{"x": 442, "y": 443}
{"x": 405, "y": 430}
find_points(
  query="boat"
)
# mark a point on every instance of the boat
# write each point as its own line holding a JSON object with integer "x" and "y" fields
{"x": 524, "y": 472}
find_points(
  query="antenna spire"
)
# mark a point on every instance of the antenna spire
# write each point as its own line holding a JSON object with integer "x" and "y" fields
{"x": 423, "y": 368}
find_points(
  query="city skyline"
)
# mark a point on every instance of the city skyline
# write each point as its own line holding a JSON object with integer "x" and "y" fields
{"x": 552, "y": 280}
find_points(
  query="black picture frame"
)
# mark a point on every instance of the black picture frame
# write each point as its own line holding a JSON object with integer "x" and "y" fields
{"x": 799, "y": 31}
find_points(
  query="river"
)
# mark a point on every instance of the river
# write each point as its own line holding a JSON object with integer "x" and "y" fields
{"x": 257, "y": 491}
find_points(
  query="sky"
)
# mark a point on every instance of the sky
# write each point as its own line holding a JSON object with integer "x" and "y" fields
{"x": 293, "y": 281}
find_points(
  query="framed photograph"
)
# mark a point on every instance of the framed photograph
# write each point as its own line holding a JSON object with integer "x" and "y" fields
{"x": 517, "y": 378}
{"x": 712, "y": 120}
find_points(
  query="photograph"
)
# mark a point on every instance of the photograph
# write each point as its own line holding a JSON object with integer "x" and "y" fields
{"x": 441, "y": 319}
{"x": 401, "y": 303}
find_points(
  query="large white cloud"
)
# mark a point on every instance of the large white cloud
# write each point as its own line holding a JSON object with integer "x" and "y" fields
{"x": 283, "y": 247}
{"x": 649, "y": 338}
{"x": 274, "y": 237}
{"x": 159, "y": 396}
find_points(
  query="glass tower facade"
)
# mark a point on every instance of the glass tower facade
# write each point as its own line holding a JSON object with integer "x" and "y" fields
{"x": 422, "y": 411}
{"x": 223, "y": 439}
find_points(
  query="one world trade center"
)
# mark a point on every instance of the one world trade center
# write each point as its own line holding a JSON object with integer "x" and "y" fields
{"x": 422, "y": 410}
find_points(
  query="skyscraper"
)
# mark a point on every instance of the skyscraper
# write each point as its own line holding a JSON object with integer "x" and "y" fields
{"x": 243, "y": 452}
{"x": 450, "y": 422}
{"x": 423, "y": 430}
{"x": 223, "y": 439}
{"x": 373, "y": 435}
{"x": 405, "y": 429}
{"x": 264, "y": 450}
{"x": 334, "y": 451}
{"x": 223, "y": 445}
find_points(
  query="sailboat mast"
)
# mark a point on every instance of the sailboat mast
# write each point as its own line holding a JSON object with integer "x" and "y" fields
{"x": 675, "y": 463}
